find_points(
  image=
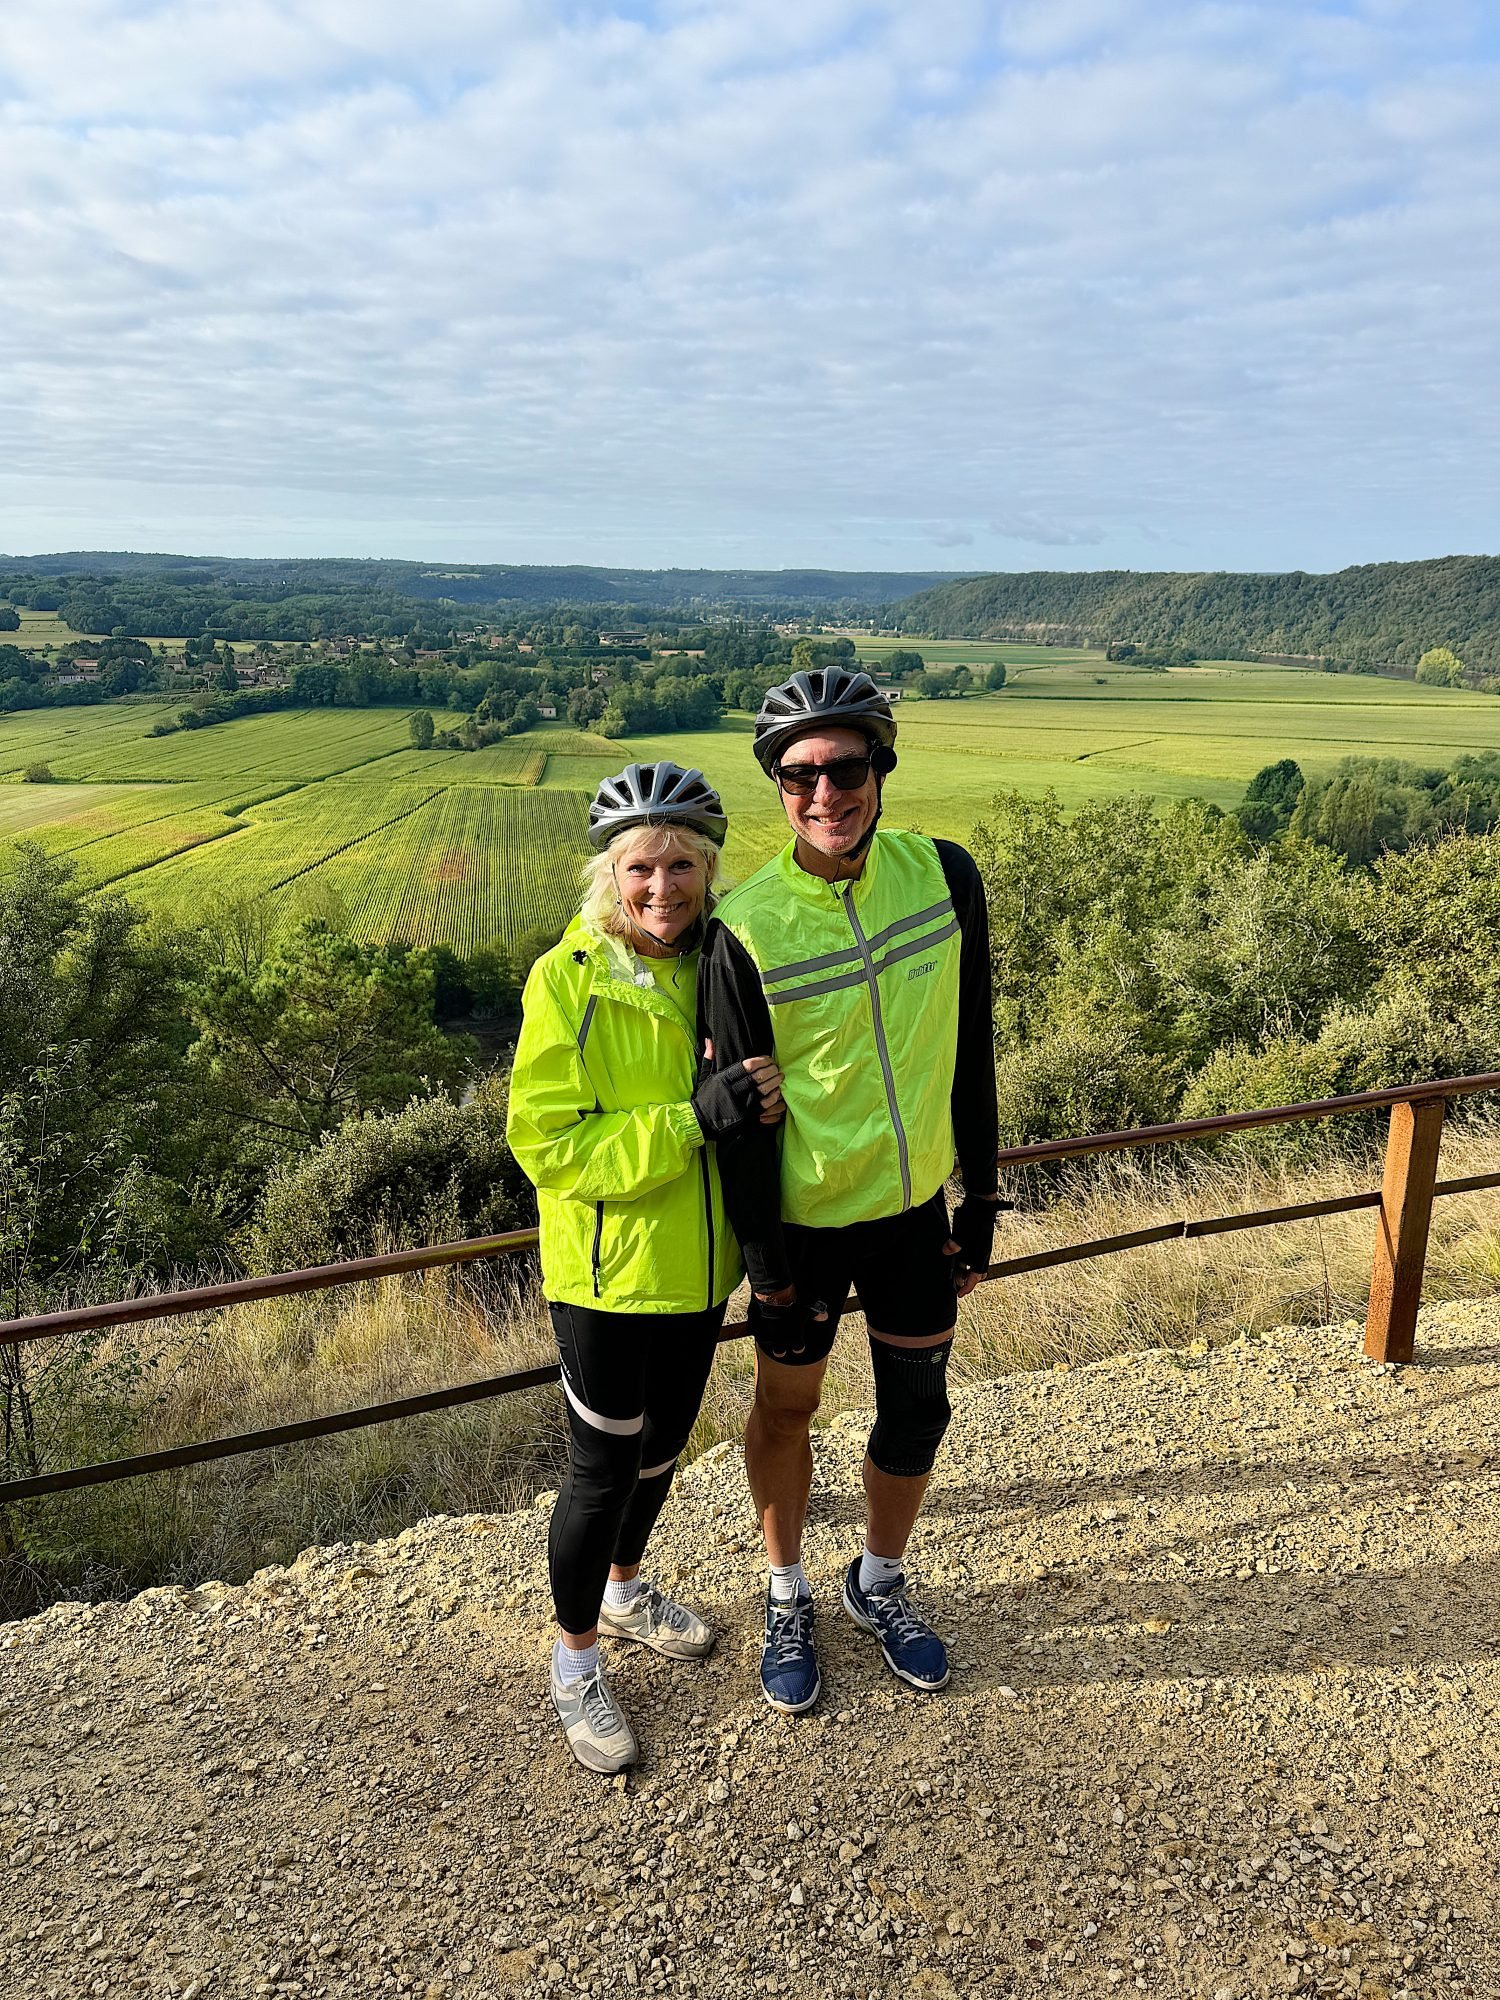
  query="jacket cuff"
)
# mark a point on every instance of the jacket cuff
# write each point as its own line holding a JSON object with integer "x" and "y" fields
{"x": 683, "y": 1122}
{"x": 765, "y": 1265}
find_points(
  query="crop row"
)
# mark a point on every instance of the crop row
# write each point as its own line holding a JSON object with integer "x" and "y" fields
{"x": 278, "y": 843}
{"x": 107, "y": 831}
{"x": 294, "y": 743}
{"x": 495, "y": 764}
{"x": 58, "y": 736}
{"x": 481, "y": 865}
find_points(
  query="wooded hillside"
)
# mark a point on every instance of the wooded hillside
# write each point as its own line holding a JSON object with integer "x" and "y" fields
{"x": 1376, "y": 612}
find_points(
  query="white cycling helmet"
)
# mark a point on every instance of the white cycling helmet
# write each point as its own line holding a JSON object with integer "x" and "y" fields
{"x": 656, "y": 795}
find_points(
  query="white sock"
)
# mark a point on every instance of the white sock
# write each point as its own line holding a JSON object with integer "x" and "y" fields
{"x": 788, "y": 1581}
{"x": 626, "y": 1592}
{"x": 875, "y": 1570}
{"x": 572, "y": 1664}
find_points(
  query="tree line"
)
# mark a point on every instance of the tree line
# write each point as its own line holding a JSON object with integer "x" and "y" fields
{"x": 1369, "y": 806}
{"x": 1362, "y": 616}
{"x": 173, "y": 596}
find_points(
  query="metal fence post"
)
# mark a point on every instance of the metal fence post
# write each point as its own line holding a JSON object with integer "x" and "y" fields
{"x": 1411, "y": 1157}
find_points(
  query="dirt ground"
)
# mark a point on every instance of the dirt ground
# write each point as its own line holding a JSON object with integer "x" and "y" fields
{"x": 1223, "y": 1724}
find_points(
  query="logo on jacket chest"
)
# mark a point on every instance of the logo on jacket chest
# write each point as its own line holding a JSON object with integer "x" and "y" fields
{"x": 921, "y": 971}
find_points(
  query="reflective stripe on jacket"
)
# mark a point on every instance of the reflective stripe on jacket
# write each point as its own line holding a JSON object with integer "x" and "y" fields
{"x": 631, "y": 1216}
{"x": 862, "y": 980}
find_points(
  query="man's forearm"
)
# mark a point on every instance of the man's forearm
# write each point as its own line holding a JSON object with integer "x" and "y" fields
{"x": 976, "y": 1118}
{"x": 735, "y": 1022}
{"x": 750, "y": 1170}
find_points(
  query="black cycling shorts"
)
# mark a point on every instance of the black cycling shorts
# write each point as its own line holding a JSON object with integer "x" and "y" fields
{"x": 896, "y": 1266}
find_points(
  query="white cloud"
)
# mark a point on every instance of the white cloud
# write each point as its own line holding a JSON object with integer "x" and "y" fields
{"x": 1196, "y": 284}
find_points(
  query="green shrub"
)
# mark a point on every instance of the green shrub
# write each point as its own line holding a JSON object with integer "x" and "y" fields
{"x": 1080, "y": 1079}
{"x": 1408, "y": 1036}
{"x": 38, "y": 774}
{"x": 431, "y": 1173}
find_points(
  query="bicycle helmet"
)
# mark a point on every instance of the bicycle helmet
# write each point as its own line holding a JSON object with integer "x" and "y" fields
{"x": 831, "y": 697}
{"x": 656, "y": 795}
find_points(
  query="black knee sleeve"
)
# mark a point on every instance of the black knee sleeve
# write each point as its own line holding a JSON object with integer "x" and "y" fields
{"x": 911, "y": 1407}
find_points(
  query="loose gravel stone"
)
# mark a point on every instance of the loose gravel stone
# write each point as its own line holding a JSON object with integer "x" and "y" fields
{"x": 1223, "y": 1725}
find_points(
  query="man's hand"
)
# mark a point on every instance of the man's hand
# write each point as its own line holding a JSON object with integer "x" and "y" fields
{"x": 972, "y": 1241}
{"x": 768, "y": 1082}
{"x": 784, "y": 1308}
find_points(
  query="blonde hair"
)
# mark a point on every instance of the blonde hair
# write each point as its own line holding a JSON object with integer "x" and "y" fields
{"x": 601, "y": 899}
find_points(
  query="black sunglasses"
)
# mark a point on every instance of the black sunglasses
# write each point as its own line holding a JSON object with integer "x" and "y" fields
{"x": 845, "y": 774}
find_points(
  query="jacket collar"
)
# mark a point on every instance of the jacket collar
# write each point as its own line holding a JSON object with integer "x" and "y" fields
{"x": 815, "y": 888}
{"x": 613, "y": 968}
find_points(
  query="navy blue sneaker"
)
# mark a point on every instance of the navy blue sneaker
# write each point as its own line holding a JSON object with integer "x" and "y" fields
{"x": 788, "y": 1665}
{"x": 913, "y": 1651}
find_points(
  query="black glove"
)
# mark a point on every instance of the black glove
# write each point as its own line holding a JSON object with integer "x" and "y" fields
{"x": 783, "y": 1329}
{"x": 726, "y": 1102}
{"x": 973, "y": 1230}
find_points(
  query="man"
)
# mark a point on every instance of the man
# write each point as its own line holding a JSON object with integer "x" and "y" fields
{"x": 860, "y": 959}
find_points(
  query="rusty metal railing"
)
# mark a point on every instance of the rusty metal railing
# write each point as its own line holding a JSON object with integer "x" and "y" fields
{"x": 1409, "y": 1188}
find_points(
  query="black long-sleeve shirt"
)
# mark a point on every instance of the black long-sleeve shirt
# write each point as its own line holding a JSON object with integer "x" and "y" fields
{"x": 734, "y": 1018}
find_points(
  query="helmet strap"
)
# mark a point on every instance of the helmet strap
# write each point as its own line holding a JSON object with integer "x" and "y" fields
{"x": 857, "y": 851}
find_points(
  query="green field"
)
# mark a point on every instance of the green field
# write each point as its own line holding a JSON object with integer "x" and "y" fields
{"x": 974, "y": 652}
{"x": 332, "y": 811}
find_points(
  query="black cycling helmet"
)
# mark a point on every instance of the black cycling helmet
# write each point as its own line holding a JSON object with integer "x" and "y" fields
{"x": 656, "y": 795}
{"x": 831, "y": 697}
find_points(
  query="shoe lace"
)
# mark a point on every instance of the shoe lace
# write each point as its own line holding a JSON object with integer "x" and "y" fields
{"x": 791, "y": 1626}
{"x": 896, "y": 1614}
{"x": 662, "y": 1610}
{"x": 599, "y": 1709}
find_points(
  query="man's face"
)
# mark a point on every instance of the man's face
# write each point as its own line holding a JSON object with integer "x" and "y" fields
{"x": 832, "y": 820}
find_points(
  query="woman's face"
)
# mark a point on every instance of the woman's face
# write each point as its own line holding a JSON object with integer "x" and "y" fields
{"x": 661, "y": 884}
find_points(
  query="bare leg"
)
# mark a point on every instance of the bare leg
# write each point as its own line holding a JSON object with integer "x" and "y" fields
{"x": 778, "y": 1454}
{"x": 893, "y": 1505}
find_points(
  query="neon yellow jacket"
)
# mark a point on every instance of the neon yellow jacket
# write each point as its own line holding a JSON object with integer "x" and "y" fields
{"x": 631, "y": 1214}
{"x": 862, "y": 984}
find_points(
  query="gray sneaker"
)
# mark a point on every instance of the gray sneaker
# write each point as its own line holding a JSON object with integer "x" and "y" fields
{"x": 654, "y": 1620}
{"x": 597, "y": 1732}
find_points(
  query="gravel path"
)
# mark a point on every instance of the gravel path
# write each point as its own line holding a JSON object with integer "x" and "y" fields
{"x": 1223, "y": 1725}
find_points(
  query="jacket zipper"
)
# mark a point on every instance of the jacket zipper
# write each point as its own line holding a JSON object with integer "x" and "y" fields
{"x": 880, "y": 1045}
{"x": 708, "y": 1217}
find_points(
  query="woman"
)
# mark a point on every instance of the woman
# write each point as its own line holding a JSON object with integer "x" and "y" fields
{"x": 607, "y": 1120}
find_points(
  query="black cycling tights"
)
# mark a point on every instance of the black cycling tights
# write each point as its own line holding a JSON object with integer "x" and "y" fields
{"x": 633, "y": 1383}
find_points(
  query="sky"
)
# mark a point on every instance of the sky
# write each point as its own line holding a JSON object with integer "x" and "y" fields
{"x": 887, "y": 284}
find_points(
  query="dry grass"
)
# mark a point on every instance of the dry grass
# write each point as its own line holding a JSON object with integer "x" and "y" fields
{"x": 170, "y": 1381}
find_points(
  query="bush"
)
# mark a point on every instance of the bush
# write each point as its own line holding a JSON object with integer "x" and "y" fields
{"x": 1080, "y": 1079}
{"x": 38, "y": 774}
{"x": 432, "y": 1173}
{"x": 1407, "y": 1036}
{"x": 1284, "y": 1070}
{"x": 1399, "y": 1037}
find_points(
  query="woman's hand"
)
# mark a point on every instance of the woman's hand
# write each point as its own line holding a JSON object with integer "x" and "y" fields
{"x": 768, "y": 1082}
{"x": 744, "y": 1094}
